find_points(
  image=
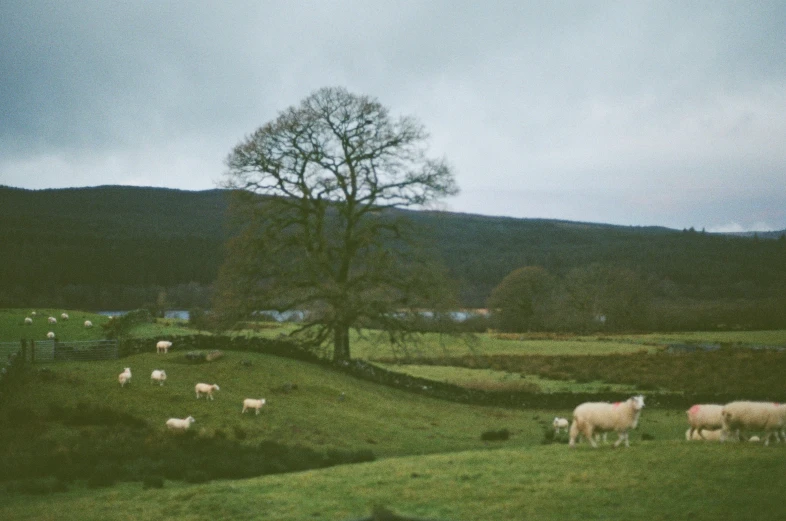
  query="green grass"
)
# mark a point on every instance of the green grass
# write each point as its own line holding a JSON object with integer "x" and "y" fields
{"x": 13, "y": 328}
{"x": 491, "y": 380}
{"x": 432, "y": 463}
{"x": 650, "y": 480}
{"x": 369, "y": 416}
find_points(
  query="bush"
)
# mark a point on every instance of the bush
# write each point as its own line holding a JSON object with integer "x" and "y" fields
{"x": 37, "y": 486}
{"x": 104, "y": 475}
{"x": 500, "y": 435}
{"x": 196, "y": 476}
{"x": 152, "y": 482}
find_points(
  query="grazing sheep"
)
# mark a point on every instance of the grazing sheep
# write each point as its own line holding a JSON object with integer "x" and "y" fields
{"x": 163, "y": 346}
{"x": 88, "y": 323}
{"x": 251, "y": 403}
{"x": 158, "y": 375}
{"x": 52, "y": 320}
{"x": 754, "y": 439}
{"x": 176, "y": 424}
{"x": 758, "y": 416}
{"x": 704, "y": 417}
{"x": 703, "y": 435}
{"x": 33, "y": 313}
{"x": 619, "y": 417}
{"x": 124, "y": 377}
{"x": 50, "y": 335}
{"x": 28, "y": 321}
{"x": 64, "y": 316}
{"x": 559, "y": 424}
{"x": 206, "y": 389}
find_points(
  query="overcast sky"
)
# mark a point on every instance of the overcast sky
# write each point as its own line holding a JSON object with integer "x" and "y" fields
{"x": 669, "y": 113}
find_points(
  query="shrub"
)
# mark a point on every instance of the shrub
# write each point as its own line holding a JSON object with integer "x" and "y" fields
{"x": 500, "y": 435}
{"x": 152, "y": 482}
{"x": 104, "y": 475}
{"x": 196, "y": 476}
{"x": 37, "y": 486}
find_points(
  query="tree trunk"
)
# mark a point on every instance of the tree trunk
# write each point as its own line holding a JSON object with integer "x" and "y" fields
{"x": 341, "y": 343}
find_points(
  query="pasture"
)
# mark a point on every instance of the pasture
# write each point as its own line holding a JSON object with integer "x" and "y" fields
{"x": 431, "y": 462}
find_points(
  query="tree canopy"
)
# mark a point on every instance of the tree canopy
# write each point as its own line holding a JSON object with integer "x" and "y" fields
{"x": 315, "y": 190}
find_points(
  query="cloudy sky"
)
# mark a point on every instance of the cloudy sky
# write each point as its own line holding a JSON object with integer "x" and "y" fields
{"x": 669, "y": 113}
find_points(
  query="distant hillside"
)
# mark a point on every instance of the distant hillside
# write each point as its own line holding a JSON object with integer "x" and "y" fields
{"x": 117, "y": 246}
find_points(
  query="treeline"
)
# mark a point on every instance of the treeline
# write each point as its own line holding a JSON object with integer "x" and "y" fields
{"x": 127, "y": 247}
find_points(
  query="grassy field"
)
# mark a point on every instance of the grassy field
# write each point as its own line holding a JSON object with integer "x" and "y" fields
{"x": 650, "y": 480}
{"x": 432, "y": 462}
{"x": 491, "y": 380}
{"x": 13, "y": 328}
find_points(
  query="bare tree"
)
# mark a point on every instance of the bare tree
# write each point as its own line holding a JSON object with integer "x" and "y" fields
{"x": 328, "y": 238}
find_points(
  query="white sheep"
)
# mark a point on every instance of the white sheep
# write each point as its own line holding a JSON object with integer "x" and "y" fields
{"x": 88, "y": 323}
{"x": 33, "y": 313}
{"x": 251, "y": 403}
{"x": 52, "y": 320}
{"x": 206, "y": 389}
{"x": 176, "y": 424}
{"x": 163, "y": 346}
{"x": 158, "y": 375}
{"x": 124, "y": 377}
{"x": 754, "y": 439}
{"x": 64, "y": 316}
{"x": 757, "y": 416}
{"x": 50, "y": 335}
{"x": 559, "y": 424}
{"x": 704, "y": 417}
{"x": 703, "y": 435}
{"x": 619, "y": 417}
{"x": 28, "y": 321}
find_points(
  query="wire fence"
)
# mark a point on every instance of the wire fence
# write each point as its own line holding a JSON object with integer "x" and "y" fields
{"x": 54, "y": 351}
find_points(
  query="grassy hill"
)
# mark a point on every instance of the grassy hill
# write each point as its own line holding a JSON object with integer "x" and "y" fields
{"x": 431, "y": 462}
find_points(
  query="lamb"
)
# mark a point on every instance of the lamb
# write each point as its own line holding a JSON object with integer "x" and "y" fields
{"x": 176, "y": 424}
{"x": 50, "y": 335}
{"x": 28, "y": 321}
{"x": 759, "y": 416}
{"x": 64, "y": 316}
{"x": 703, "y": 434}
{"x": 704, "y": 417}
{"x": 251, "y": 403}
{"x": 158, "y": 375}
{"x": 206, "y": 389}
{"x": 163, "y": 346}
{"x": 52, "y": 320}
{"x": 124, "y": 377}
{"x": 559, "y": 424}
{"x": 88, "y": 323}
{"x": 619, "y": 417}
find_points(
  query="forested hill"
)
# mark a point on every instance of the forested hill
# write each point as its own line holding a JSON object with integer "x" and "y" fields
{"x": 119, "y": 247}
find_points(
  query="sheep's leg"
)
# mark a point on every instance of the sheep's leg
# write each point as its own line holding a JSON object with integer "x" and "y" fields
{"x": 574, "y": 433}
{"x": 589, "y": 433}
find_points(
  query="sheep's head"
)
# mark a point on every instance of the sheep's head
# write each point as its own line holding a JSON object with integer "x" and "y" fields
{"x": 190, "y": 419}
{"x": 216, "y": 387}
{"x": 638, "y": 402}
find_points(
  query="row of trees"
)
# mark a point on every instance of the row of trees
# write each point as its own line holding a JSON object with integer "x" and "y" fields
{"x": 601, "y": 297}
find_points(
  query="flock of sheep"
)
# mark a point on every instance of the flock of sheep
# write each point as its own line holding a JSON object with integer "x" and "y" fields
{"x": 707, "y": 421}
{"x": 201, "y": 389}
{"x": 52, "y": 321}
{"x": 590, "y": 419}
